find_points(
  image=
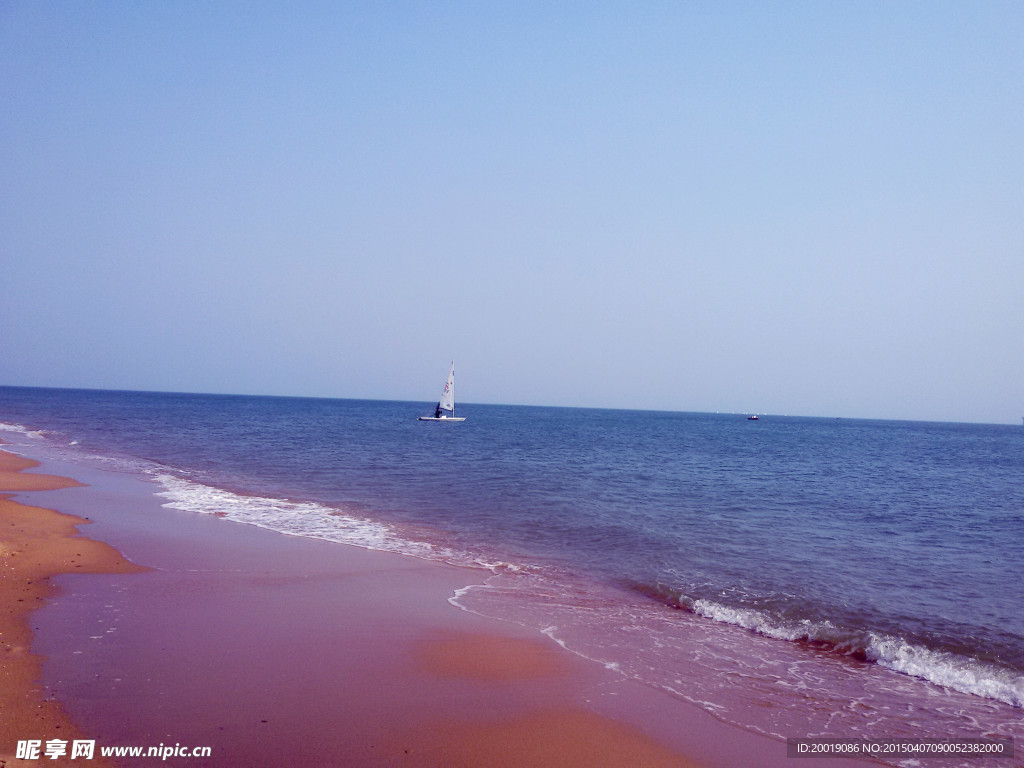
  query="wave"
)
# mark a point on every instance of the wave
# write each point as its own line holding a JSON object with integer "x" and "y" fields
{"x": 21, "y": 430}
{"x": 296, "y": 518}
{"x": 944, "y": 668}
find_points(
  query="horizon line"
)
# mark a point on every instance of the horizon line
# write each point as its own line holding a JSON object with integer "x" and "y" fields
{"x": 510, "y": 405}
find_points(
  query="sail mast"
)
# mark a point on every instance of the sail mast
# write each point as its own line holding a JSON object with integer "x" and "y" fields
{"x": 445, "y": 410}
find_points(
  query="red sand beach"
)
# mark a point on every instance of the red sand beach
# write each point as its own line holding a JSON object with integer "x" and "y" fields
{"x": 275, "y": 650}
{"x": 36, "y": 544}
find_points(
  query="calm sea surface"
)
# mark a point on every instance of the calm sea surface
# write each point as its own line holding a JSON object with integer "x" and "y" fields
{"x": 857, "y": 578}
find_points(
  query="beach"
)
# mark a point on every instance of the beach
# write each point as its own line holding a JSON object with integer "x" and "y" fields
{"x": 37, "y": 545}
{"x": 260, "y": 646}
{"x": 267, "y": 648}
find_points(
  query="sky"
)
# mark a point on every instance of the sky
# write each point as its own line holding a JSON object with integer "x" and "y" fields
{"x": 778, "y": 207}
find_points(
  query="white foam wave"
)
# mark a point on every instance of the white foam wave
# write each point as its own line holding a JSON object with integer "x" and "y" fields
{"x": 759, "y": 622}
{"x": 503, "y": 567}
{"x": 549, "y": 632}
{"x": 949, "y": 670}
{"x": 21, "y": 430}
{"x": 460, "y": 593}
{"x": 295, "y": 518}
{"x": 743, "y": 617}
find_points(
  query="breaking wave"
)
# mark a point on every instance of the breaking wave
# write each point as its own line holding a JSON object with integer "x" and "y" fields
{"x": 295, "y": 518}
{"x": 21, "y": 430}
{"x": 944, "y": 668}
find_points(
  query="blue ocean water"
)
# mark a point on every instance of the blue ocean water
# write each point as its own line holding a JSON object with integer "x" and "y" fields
{"x": 886, "y": 554}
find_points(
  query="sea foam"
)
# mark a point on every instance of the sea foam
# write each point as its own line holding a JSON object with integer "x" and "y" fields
{"x": 295, "y": 518}
{"x": 22, "y": 430}
{"x": 950, "y": 670}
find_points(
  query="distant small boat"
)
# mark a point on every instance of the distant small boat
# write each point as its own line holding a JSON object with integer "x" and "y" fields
{"x": 755, "y": 417}
{"x": 445, "y": 410}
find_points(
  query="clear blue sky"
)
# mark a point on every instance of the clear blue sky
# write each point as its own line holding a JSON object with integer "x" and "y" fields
{"x": 795, "y": 207}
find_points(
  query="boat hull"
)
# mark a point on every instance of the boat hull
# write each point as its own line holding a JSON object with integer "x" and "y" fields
{"x": 441, "y": 418}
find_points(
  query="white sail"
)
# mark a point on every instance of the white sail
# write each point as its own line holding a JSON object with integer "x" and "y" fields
{"x": 448, "y": 395}
{"x": 445, "y": 410}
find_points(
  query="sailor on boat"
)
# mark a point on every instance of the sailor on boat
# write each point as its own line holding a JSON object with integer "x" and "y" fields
{"x": 445, "y": 410}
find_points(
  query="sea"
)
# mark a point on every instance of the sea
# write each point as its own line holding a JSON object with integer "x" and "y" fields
{"x": 799, "y": 577}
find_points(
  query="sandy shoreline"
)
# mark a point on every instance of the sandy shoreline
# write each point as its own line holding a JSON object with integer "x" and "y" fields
{"x": 517, "y": 681}
{"x": 275, "y": 649}
{"x": 37, "y": 544}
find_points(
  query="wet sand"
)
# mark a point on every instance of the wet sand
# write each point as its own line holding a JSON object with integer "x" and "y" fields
{"x": 276, "y": 650}
{"x": 36, "y": 544}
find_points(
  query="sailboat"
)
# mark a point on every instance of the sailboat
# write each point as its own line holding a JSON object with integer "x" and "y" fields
{"x": 445, "y": 410}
